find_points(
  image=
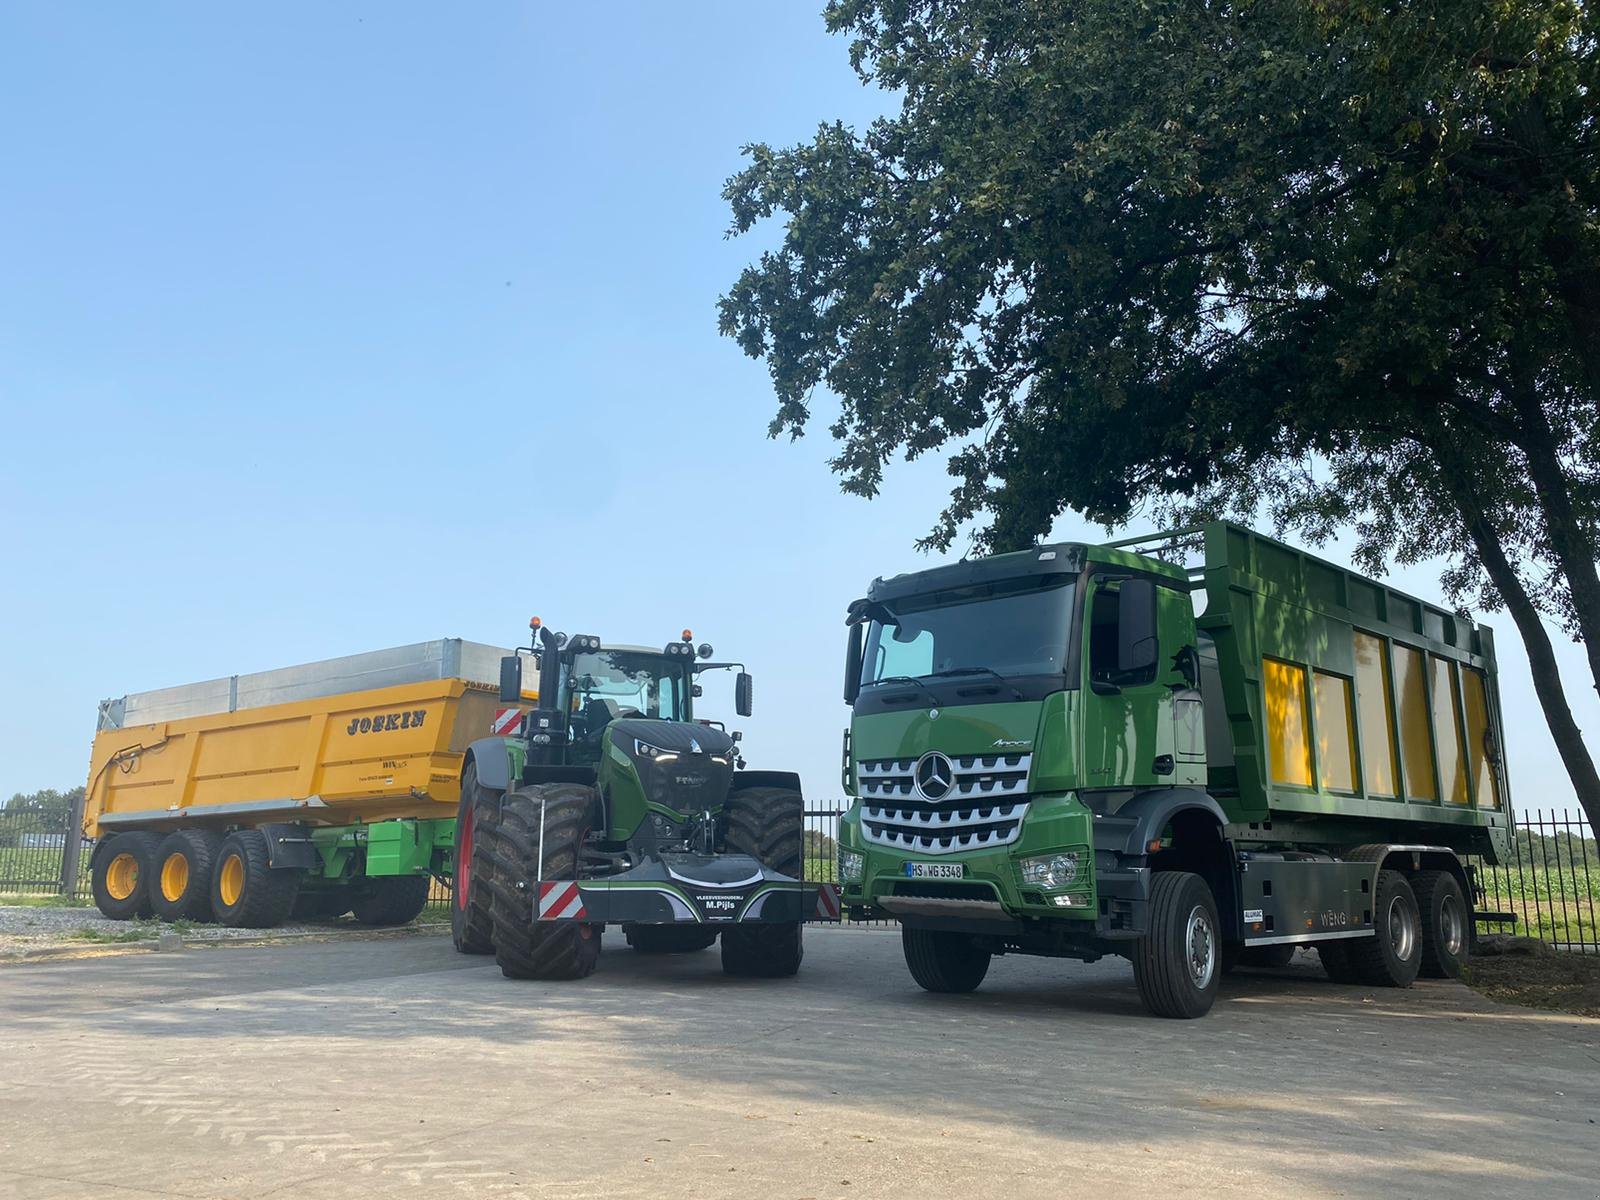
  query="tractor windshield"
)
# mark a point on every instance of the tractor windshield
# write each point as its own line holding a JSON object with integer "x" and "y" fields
{"x": 609, "y": 684}
{"x": 1008, "y": 627}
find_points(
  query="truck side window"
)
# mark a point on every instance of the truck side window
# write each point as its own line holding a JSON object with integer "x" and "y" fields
{"x": 1107, "y": 616}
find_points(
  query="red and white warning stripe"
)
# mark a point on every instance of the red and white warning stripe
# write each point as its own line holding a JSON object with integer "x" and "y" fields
{"x": 505, "y": 720}
{"x": 560, "y": 901}
{"x": 827, "y": 902}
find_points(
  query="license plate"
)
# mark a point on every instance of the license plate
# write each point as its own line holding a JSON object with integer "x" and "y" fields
{"x": 921, "y": 870}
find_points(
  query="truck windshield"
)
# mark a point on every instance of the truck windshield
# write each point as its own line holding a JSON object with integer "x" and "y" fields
{"x": 1012, "y": 627}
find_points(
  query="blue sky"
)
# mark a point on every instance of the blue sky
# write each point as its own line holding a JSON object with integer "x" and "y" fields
{"x": 326, "y": 328}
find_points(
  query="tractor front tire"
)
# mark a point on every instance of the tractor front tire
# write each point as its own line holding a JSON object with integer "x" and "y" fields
{"x": 471, "y": 921}
{"x": 390, "y": 899}
{"x": 768, "y": 824}
{"x": 246, "y": 892}
{"x": 759, "y": 950}
{"x": 180, "y": 887}
{"x": 524, "y": 947}
{"x": 121, "y": 875}
{"x": 669, "y": 939}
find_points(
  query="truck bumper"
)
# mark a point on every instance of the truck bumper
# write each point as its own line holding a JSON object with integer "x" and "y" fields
{"x": 688, "y": 889}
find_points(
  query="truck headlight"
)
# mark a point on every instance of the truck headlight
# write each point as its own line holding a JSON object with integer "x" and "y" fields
{"x": 1052, "y": 871}
{"x": 851, "y": 866}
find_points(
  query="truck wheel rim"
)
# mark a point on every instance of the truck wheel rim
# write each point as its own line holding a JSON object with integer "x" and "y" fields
{"x": 122, "y": 876}
{"x": 464, "y": 858}
{"x": 1200, "y": 947}
{"x": 1402, "y": 931}
{"x": 231, "y": 881}
{"x": 1452, "y": 927}
{"x": 174, "y": 878}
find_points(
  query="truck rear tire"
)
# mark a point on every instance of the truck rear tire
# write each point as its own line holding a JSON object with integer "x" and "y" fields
{"x": 246, "y": 892}
{"x": 1177, "y": 964}
{"x": 181, "y": 883}
{"x": 1393, "y": 955}
{"x": 943, "y": 962}
{"x": 1446, "y": 920}
{"x": 121, "y": 875}
{"x": 669, "y": 939}
{"x": 391, "y": 899}
{"x": 471, "y": 922}
{"x": 524, "y": 947}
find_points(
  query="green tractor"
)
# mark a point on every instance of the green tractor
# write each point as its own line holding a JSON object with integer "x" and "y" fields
{"x": 612, "y": 805}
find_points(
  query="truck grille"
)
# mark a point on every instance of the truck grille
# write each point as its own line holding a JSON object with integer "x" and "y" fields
{"x": 977, "y": 777}
{"x": 943, "y": 831}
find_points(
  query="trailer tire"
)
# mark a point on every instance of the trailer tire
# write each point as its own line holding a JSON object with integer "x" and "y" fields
{"x": 1446, "y": 920}
{"x": 390, "y": 899}
{"x": 669, "y": 939}
{"x": 943, "y": 962}
{"x": 524, "y": 947}
{"x": 1336, "y": 960}
{"x": 768, "y": 824}
{"x": 323, "y": 904}
{"x": 1393, "y": 955}
{"x": 180, "y": 884}
{"x": 1177, "y": 964}
{"x": 471, "y": 921}
{"x": 120, "y": 875}
{"x": 246, "y": 891}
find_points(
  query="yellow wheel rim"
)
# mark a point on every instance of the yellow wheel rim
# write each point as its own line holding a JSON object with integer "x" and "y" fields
{"x": 122, "y": 876}
{"x": 231, "y": 881}
{"x": 174, "y": 877}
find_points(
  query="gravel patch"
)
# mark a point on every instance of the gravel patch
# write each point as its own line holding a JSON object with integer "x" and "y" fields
{"x": 25, "y": 928}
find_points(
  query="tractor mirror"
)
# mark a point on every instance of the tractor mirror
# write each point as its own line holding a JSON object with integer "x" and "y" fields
{"x": 511, "y": 679}
{"x": 743, "y": 694}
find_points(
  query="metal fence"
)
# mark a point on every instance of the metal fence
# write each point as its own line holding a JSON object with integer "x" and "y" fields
{"x": 1547, "y": 888}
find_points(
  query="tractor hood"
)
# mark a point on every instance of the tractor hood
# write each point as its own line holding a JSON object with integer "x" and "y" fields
{"x": 684, "y": 766}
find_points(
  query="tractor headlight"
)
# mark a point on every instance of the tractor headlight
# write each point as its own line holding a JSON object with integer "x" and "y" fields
{"x": 1053, "y": 871}
{"x": 653, "y": 753}
{"x": 851, "y": 866}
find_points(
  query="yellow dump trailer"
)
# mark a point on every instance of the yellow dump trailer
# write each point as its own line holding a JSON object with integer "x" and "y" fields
{"x": 316, "y": 790}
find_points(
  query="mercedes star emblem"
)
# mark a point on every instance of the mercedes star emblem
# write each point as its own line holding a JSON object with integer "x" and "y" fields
{"x": 935, "y": 775}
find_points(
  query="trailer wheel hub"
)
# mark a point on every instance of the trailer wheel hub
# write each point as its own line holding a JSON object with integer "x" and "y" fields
{"x": 122, "y": 876}
{"x": 230, "y": 882}
{"x": 174, "y": 877}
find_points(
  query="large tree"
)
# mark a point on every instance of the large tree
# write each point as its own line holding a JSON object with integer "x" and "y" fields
{"x": 1334, "y": 260}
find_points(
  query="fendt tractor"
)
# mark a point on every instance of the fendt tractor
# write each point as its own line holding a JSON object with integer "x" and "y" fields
{"x": 612, "y": 805}
{"x": 1081, "y": 750}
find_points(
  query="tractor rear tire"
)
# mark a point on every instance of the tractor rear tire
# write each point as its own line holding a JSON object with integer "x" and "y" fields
{"x": 247, "y": 893}
{"x": 759, "y": 950}
{"x": 944, "y": 962}
{"x": 669, "y": 939}
{"x": 1393, "y": 955}
{"x": 390, "y": 899}
{"x": 180, "y": 887}
{"x": 471, "y": 921}
{"x": 524, "y": 947}
{"x": 1446, "y": 920}
{"x": 121, "y": 875}
{"x": 1177, "y": 963}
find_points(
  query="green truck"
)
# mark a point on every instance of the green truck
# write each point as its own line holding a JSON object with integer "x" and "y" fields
{"x": 1189, "y": 750}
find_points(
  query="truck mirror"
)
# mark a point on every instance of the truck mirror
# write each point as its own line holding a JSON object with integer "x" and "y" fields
{"x": 743, "y": 694}
{"x": 852, "y": 664}
{"x": 1137, "y": 644}
{"x": 511, "y": 679}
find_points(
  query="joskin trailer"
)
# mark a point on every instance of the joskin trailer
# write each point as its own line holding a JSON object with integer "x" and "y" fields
{"x": 1080, "y": 750}
{"x": 311, "y": 791}
{"x": 611, "y": 804}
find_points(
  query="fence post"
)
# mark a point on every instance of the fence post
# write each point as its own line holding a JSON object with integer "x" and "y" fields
{"x": 72, "y": 849}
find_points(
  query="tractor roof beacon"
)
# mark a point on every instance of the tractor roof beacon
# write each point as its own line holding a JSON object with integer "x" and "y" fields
{"x": 611, "y": 804}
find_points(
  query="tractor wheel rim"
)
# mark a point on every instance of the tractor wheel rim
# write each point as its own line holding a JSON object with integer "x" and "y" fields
{"x": 122, "y": 876}
{"x": 174, "y": 878}
{"x": 1402, "y": 930}
{"x": 464, "y": 858}
{"x": 230, "y": 882}
{"x": 1200, "y": 947}
{"x": 1452, "y": 926}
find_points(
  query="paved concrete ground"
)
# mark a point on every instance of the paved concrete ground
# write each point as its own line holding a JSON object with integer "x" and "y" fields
{"x": 399, "y": 1067}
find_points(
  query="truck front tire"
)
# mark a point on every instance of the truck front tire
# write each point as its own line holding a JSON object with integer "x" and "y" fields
{"x": 1393, "y": 955}
{"x": 180, "y": 888}
{"x": 1178, "y": 962}
{"x": 1446, "y": 923}
{"x": 120, "y": 879}
{"x": 524, "y": 947}
{"x": 943, "y": 962}
{"x": 471, "y": 922}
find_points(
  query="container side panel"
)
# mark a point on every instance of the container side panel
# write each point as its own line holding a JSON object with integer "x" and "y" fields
{"x": 1416, "y": 748}
{"x": 1447, "y": 730}
{"x": 1336, "y": 743}
{"x": 1375, "y": 709}
{"x": 1485, "y": 786}
{"x": 1288, "y": 741}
